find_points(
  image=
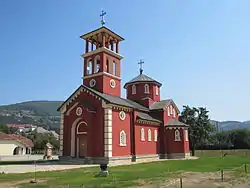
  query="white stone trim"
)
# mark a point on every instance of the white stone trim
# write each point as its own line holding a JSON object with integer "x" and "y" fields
{"x": 61, "y": 131}
{"x": 108, "y": 132}
{"x": 82, "y": 122}
{"x": 71, "y": 108}
{"x": 149, "y": 135}
{"x": 102, "y": 49}
{"x": 122, "y": 115}
{"x": 123, "y": 142}
{"x": 142, "y": 134}
{"x": 102, "y": 73}
{"x": 73, "y": 138}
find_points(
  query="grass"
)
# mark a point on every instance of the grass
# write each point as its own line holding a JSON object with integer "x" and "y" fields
{"x": 126, "y": 176}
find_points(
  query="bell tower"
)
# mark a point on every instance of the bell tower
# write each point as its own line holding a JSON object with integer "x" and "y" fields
{"x": 102, "y": 60}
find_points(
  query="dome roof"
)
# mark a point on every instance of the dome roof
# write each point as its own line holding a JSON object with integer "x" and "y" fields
{"x": 142, "y": 78}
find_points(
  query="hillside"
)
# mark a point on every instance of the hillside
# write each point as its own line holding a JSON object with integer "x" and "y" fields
{"x": 41, "y": 113}
{"x": 44, "y": 113}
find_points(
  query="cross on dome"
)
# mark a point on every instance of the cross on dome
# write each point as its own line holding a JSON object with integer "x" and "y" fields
{"x": 140, "y": 64}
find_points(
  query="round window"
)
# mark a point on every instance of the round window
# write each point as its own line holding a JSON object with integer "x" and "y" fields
{"x": 112, "y": 83}
{"x": 92, "y": 83}
{"x": 79, "y": 111}
{"x": 122, "y": 115}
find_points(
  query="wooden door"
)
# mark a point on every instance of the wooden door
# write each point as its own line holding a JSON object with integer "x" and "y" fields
{"x": 82, "y": 146}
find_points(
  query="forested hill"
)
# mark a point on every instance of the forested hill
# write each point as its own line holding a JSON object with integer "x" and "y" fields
{"x": 40, "y": 113}
{"x": 44, "y": 113}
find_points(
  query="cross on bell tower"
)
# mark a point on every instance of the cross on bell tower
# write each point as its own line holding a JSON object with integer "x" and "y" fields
{"x": 140, "y": 64}
{"x": 103, "y": 13}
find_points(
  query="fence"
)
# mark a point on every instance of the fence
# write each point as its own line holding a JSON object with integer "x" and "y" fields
{"x": 213, "y": 153}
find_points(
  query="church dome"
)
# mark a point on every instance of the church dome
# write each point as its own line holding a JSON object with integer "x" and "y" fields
{"x": 142, "y": 78}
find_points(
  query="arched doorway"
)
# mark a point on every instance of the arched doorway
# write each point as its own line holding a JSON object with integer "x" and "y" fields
{"x": 82, "y": 136}
{"x": 79, "y": 138}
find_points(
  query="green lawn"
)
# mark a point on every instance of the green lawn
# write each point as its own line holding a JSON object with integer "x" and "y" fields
{"x": 125, "y": 176}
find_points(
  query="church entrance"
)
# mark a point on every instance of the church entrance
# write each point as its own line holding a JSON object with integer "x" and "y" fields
{"x": 82, "y": 145}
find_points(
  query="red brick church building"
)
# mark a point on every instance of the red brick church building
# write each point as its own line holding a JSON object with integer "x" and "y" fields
{"x": 97, "y": 124}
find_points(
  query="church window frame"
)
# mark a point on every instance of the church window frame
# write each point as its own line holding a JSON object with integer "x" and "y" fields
{"x": 171, "y": 109}
{"x": 92, "y": 83}
{"x": 142, "y": 134}
{"x": 177, "y": 135}
{"x": 155, "y": 135}
{"x": 114, "y": 66}
{"x": 168, "y": 111}
{"x": 112, "y": 83}
{"x": 157, "y": 90}
{"x": 97, "y": 64}
{"x": 107, "y": 65}
{"x": 146, "y": 89}
{"x": 149, "y": 135}
{"x": 133, "y": 89}
{"x": 123, "y": 139}
{"x": 174, "y": 112}
{"x": 122, "y": 115}
{"x": 89, "y": 66}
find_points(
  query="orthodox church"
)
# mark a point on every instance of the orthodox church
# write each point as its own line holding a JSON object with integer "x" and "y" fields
{"x": 98, "y": 125}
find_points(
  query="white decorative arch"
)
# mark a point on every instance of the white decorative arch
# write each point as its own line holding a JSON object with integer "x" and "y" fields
{"x": 82, "y": 122}
{"x": 156, "y": 90}
{"x": 146, "y": 88}
{"x": 123, "y": 140}
{"x": 97, "y": 64}
{"x": 177, "y": 135}
{"x": 142, "y": 134}
{"x": 133, "y": 89}
{"x": 73, "y": 137}
{"x": 155, "y": 135}
{"x": 149, "y": 135}
{"x": 89, "y": 66}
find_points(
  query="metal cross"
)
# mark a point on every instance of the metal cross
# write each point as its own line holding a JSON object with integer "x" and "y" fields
{"x": 140, "y": 64}
{"x": 103, "y": 13}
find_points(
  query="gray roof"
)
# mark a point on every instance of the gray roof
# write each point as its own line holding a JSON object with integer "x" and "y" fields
{"x": 174, "y": 122}
{"x": 146, "y": 116}
{"x": 142, "y": 78}
{"x": 163, "y": 104}
{"x": 117, "y": 100}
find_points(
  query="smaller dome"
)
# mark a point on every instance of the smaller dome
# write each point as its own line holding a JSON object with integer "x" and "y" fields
{"x": 142, "y": 78}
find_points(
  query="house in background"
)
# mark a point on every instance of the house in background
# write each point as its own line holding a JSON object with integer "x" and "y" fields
{"x": 12, "y": 144}
{"x": 23, "y": 127}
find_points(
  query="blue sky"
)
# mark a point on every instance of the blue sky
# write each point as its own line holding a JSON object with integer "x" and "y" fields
{"x": 199, "y": 50}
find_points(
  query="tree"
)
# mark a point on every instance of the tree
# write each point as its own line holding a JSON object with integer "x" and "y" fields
{"x": 200, "y": 127}
{"x": 8, "y": 130}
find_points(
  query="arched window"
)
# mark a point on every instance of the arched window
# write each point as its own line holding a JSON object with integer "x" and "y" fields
{"x": 107, "y": 65}
{"x": 177, "y": 135}
{"x": 155, "y": 135}
{"x": 146, "y": 88}
{"x": 133, "y": 89}
{"x": 142, "y": 135}
{"x": 168, "y": 111}
{"x": 174, "y": 114}
{"x": 114, "y": 68}
{"x": 149, "y": 135}
{"x": 186, "y": 135}
{"x": 89, "y": 67}
{"x": 97, "y": 64}
{"x": 123, "y": 138}
{"x": 157, "y": 90}
{"x": 171, "y": 109}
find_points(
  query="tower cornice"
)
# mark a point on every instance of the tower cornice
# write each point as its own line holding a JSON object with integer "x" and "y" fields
{"x": 103, "y": 49}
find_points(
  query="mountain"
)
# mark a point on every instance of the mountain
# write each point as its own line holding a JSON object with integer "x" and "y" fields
{"x": 40, "y": 113}
{"x": 230, "y": 125}
{"x": 44, "y": 114}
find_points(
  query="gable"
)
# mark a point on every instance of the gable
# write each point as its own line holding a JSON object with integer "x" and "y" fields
{"x": 161, "y": 105}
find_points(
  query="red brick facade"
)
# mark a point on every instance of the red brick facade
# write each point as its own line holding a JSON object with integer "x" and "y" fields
{"x": 96, "y": 123}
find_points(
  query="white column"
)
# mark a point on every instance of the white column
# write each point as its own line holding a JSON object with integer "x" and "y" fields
{"x": 108, "y": 133}
{"x": 61, "y": 131}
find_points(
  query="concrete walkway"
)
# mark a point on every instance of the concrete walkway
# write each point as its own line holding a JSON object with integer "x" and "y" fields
{"x": 53, "y": 166}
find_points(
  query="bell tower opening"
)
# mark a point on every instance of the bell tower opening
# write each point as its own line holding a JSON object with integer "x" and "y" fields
{"x": 102, "y": 60}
